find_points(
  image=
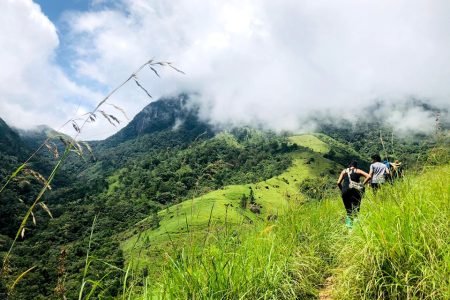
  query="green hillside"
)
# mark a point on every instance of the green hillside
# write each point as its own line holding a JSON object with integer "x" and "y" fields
{"x": 398, "y": 249}
{"x": 312, "y": 141}
{"x": 209, "y": 247}
{"x": 273, "y": 195}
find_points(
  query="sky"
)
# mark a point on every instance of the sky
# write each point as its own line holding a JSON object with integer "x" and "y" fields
{"x": 249, "y": 62}
{"x": 54, "y": 8}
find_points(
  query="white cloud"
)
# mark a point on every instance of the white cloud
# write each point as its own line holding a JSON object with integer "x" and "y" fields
{"x": 412, "y": 119}
{"x": 33, "y": 88}
{"x": 252, "y": 61}
{"x": 274, "y": 62}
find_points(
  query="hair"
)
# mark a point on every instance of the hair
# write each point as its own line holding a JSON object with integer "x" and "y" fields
{"x": 376, "y": 157}
{"x": 353, "y": 163}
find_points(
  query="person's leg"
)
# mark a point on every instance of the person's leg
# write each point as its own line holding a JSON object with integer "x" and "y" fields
{"x": 389, "y": 178}
{"x": 355, "y": 200}
{"x": 347, "y": 199}
{"x": 375, "y": 186}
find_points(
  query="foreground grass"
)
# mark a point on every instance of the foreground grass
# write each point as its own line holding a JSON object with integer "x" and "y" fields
{"x": 285, "y": 259}
{"x": 401, "y": 246}
{"x": 398, "y": 249}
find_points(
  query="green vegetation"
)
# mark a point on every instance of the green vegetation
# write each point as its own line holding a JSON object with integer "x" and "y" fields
{"x": 172, "y": 175}
{"x": 312, "y": 142}
{"x": 372, "y": 135}
{"x": 272, "y": 196}
{"x": 285, "y": 259}
{"x": 398, "y": 249}
{"x": 120, "y": 198}
{"x": 214, "y": 250}
{"x": 401, "y": 246}
{"x": 186, "y": 212}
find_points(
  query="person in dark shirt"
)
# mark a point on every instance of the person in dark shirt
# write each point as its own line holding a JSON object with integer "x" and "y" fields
{"x": 352, "y": 190}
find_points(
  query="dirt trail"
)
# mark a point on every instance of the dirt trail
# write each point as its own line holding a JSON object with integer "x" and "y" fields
{"x": 326, "y": 292}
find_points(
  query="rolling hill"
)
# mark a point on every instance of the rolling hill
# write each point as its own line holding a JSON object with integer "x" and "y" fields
{"x": 223, "y": 205}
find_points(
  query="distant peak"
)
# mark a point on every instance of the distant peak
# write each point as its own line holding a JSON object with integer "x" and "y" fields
{"x": 167, "y": 113}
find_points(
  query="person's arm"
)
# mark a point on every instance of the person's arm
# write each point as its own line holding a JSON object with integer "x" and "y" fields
{"x": 370, "y": 175}
{"x": 341, "y": 177}
{"x": 388, "y": 171}
{"x": 366, "y": 176}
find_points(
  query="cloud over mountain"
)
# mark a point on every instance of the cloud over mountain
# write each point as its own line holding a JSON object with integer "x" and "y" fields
{"x": 276, "y": 62}
{"x": 266, "y": 62}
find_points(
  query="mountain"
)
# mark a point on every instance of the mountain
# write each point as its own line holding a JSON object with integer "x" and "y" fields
{"x": 10, "y": 142}
{"x": 34, "y": 137}
{"x": 176, "y": 114}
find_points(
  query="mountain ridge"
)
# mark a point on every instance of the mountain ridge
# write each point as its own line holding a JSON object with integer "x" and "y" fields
{"x": 10, "y": 141}
{"x": 165, "y": 114}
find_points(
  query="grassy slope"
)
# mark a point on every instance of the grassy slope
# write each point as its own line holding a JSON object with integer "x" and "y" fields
{"x": 273, "y": 194}
{"x": 312, "y": 142}
{"x": 398, "y": 249}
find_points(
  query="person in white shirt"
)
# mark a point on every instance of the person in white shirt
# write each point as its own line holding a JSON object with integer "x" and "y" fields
{"x": 377, "y": 172}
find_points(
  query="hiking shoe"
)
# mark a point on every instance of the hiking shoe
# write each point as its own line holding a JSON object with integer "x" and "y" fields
{"x": 348, "y": 222}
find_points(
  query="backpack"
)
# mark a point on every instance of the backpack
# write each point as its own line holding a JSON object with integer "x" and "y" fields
{"x": 353, "y": 184}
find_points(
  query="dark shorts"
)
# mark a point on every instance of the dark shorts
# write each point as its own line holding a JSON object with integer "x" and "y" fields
{"x": 352, "y": 201}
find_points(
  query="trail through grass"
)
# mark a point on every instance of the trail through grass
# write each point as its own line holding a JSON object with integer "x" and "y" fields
{"x": 400, "y": 248}
{"x": 207, "y": 249}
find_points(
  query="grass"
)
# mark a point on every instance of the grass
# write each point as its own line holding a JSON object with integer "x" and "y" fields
{"x": 207, "y": 249}
{"x": 113, "y": 183}
{"x": 398, "y": 249}
{"x": 312, "y": 142}
{"x": 401, "y": 247}
{"x": 267, "y": 260}
{"x": 189, "y": 222}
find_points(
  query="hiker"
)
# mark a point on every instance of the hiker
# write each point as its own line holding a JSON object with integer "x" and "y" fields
{"x": 352, "y": 190}
{"x": 386, "y": 162}
{"x": 378, "y": 172}
{"x": 388, "y": 165}
{"x": 396, "y": 169}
